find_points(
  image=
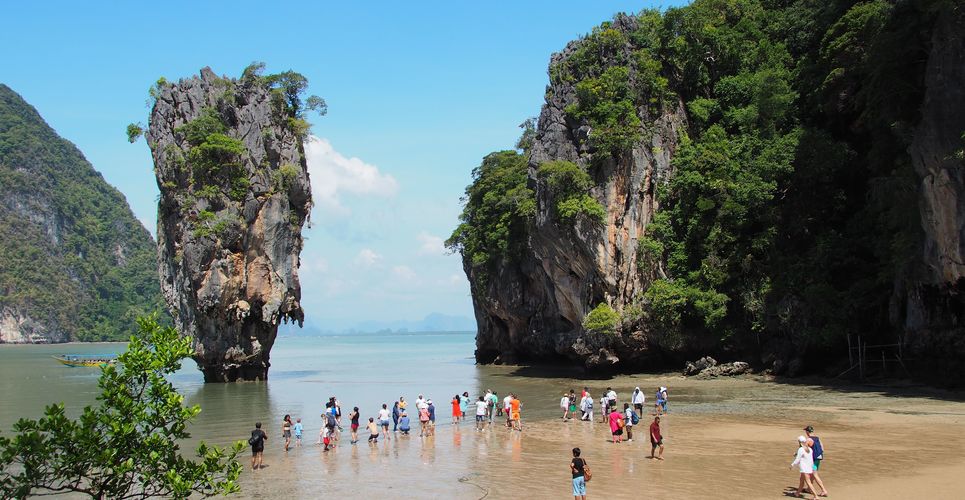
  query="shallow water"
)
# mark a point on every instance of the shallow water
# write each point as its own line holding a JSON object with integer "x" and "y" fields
{"x": 725, "y": 438}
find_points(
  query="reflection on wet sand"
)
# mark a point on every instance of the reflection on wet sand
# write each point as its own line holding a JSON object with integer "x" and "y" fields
{"x": 727, "y": 438}
{"x": 740, "y": 451}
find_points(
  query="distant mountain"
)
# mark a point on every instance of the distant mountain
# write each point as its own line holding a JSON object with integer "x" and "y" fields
{"x": 74, "y": 262}
{"x": 434, "y": 322}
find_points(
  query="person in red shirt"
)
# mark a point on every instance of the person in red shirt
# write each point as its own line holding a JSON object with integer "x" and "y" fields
{"x": 656, "y": 440}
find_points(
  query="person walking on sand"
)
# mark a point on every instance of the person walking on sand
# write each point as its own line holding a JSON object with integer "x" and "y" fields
{"x": 297, "y": 429}
{"x": 464, "y": 404}
{"x": 578, "y": 467}
{"x": 286, "y": 430}
{"x": 493, "y": 404}
{"x": 456, "y": 410}
{"x": 817, "y": 452}
{"x": 257, "y": 442}
{"x": 354, "y": 418}
{"x": 507, "y": 404}
{"x": 565, "y": 405}
{"x": 656, "y": 439}
{"x": 804, "y": 460}
{"x": 424, "y": 421}
{"x": 628, "y": 419}
{"x": 373, "y": 431}
{"x": 432, "y": 417}
{"x": 638, "y": 400}
{"x": 611, "y": 397}
{"x": 661, "y": 405}
{"x": 605, "y": 408}
{"x": 572, "y": 403}
{"x": 516, "y": 407}
{"x": 396, "y": 412}
{"x": 587, "y": 407}
{"x": 384, "y": 417}
{"x": 481, "y": 405}
{"x": 616, "y": 425}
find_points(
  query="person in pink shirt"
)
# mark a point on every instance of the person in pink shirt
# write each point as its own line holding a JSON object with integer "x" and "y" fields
{"x": 616, "y": 426}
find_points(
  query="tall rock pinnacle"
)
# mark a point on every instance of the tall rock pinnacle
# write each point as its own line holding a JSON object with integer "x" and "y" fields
{"x": 235, "y": 194}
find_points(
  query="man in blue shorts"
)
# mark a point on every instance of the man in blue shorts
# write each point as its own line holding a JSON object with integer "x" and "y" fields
{"x": 578, "y": 468}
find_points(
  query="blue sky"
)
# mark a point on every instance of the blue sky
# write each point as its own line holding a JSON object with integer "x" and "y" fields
{"x": 418, "y": 93}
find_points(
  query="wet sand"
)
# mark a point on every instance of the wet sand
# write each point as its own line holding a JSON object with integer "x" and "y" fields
{"x": 728, "y": 438}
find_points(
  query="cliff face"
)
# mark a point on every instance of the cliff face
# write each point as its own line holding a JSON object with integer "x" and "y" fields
{"x": 234, "y": 196}
{"x": 935, "y": 304}
{"x": 74, "y": 262}
{"x": 533, "y": 307}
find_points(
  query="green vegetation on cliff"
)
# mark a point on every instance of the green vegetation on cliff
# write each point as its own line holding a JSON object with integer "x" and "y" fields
{"x": 498, "y": 205}
{"x": 74, "y": 258}
{"x": 790, "y": 212}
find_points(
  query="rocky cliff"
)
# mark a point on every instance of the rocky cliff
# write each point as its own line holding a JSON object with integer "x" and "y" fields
{"x": 934, "y": 310}
{"x": 533, "y": 308}
{"x": 235, "y": 194}
{"x": 74, "y": 262}
{"x": 749, "y": 168}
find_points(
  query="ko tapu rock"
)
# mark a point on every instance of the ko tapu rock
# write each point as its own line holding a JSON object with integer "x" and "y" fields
{"x": 235, "y": 194}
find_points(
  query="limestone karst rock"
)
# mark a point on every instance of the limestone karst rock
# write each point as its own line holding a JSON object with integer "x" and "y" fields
{"x": 235, "y": 193}
{"x": 533, "y": 309}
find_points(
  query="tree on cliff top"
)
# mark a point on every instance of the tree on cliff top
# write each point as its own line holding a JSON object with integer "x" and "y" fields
{"x": 127, "y": 445}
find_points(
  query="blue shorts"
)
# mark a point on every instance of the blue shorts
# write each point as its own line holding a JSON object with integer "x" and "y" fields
{"x": 579, "y": 486}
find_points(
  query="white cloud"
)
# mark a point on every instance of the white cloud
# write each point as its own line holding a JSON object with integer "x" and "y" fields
{"x": 314, "y": 265}
{"x": 404, "y": 273}
{"x": 367, "y": 257}
{"x": 431, "y": 245}
{"x": 332, "y": 174}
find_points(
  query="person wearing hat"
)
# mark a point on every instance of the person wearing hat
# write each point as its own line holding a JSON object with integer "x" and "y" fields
{"x": 804, "y": 460}
{"x": 638, "y": 400}
{"x": 817, "y": 451}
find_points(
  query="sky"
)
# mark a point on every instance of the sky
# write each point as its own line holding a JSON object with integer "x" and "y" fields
{"x": 418, "y": 93}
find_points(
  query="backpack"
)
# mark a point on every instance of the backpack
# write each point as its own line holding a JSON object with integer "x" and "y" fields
{"x": 587, "y": 475}
{"x": 253, "y": 440}
{"x": 634, "y": 419}
{"x": 330, "y": 420}
{"x": 620, "y": 422}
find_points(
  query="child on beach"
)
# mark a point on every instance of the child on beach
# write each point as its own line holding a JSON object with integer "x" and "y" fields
{"x": 578, "y": 467}
{"x": 297, "y": 429}
{"x": 373, "y": 431}
{"x": 326, "y": 437}
{"x": 515, "y": 406}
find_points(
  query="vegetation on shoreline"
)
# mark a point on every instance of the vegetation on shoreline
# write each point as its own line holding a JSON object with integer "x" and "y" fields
{"x": 127, "y": 445}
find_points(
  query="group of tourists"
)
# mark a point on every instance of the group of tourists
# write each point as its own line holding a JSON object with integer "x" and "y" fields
{"x": 487, "y": 408}
{"x": 810, "y": 453}
{"x": 608, "y": 404}
{"x": 621, "y": 422}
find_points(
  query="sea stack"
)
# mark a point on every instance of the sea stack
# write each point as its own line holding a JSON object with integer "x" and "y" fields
{"x": 230, "y": 165}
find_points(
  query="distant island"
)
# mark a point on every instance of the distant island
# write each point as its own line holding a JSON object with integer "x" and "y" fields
{"x": 433, "y": 322}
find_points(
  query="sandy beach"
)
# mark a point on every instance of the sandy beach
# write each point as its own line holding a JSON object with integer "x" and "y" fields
{"x": 725, "y": 439}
